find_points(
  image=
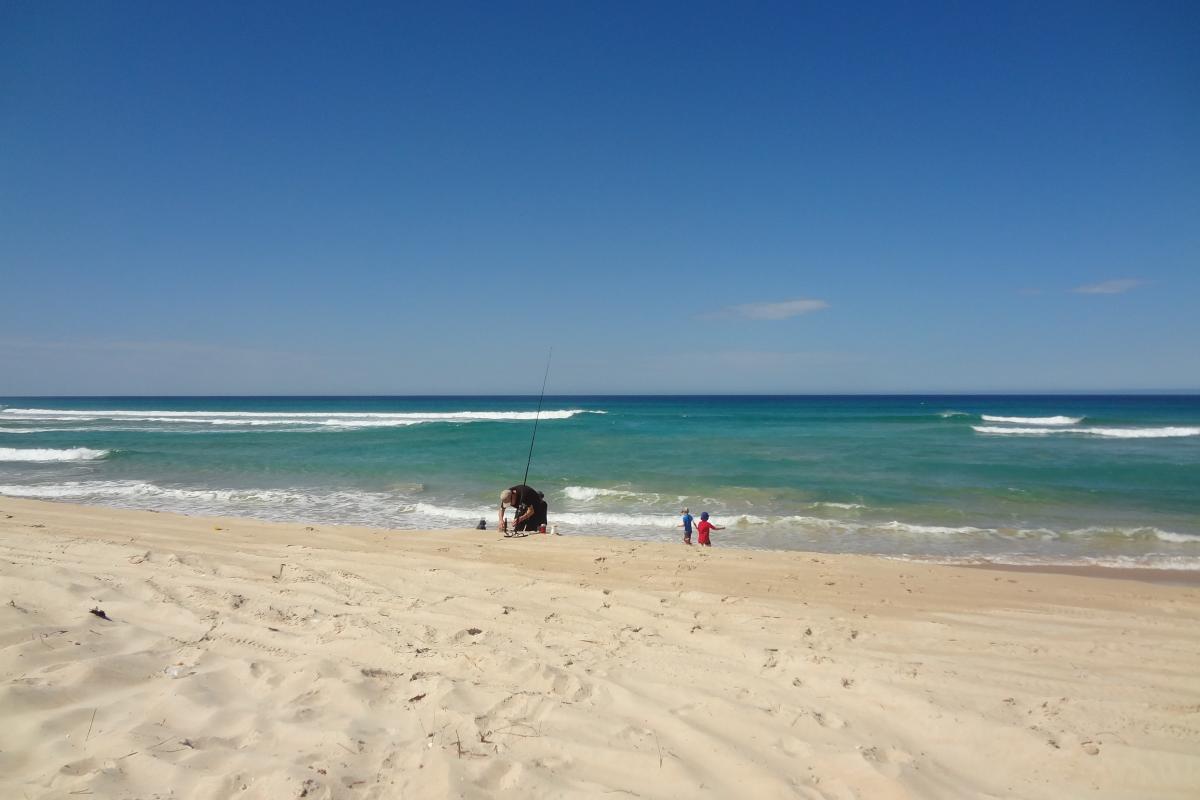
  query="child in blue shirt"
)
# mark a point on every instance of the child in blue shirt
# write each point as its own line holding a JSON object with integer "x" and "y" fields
{"x": 686, "y": 524}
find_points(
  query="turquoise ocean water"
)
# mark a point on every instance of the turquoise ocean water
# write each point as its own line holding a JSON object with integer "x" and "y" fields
{"x": 1064, "y": 479}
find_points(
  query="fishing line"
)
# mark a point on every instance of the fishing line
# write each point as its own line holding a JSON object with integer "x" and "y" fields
{"x": 536, "y": 416}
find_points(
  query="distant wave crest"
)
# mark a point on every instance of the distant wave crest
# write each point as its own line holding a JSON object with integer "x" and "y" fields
{"x": 1035, "y": 420}
{"x": 69, "y": 454}
{"x": 318, "y": 419}
{"x": 1111, "y": 433}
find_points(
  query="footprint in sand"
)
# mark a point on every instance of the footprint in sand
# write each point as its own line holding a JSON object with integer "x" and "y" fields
{"x": 567, "y": 686}
{"x": 886, "y": 755}
{"x": 502, "y": 776}
{"x": 796, "y": 748}
{"x": 828, "y": 719}
{"x": 887, "y": 760}
{"x": 82, "y": 767}
{"x": 257, "y": 645}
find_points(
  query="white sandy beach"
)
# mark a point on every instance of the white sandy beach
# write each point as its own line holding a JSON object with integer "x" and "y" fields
{"x": 245, "y": 659}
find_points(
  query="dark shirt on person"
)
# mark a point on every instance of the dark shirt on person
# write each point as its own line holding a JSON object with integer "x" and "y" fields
{"x": 524, "y": 497}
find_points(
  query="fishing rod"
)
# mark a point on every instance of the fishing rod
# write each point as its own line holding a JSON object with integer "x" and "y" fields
{"x": 536, "y": 416}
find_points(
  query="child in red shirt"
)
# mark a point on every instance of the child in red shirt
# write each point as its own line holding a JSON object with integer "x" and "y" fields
{"x": 704, "y": 527}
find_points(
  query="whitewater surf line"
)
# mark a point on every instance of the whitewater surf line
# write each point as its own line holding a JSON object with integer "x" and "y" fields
{"x": 42, "y": 454}
{"x": 1034, "y": 420}
{"x": 1112, "y": 433}
{"x": 276, "y": 420}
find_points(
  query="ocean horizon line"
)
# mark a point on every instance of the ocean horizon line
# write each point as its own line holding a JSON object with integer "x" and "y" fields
{"x": 617, "y": 395}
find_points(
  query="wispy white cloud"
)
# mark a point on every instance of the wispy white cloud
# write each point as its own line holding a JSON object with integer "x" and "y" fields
{"x": 1109, "y": 287}
{"x": 782, "y": 310}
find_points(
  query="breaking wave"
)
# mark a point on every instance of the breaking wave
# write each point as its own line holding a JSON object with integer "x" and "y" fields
{"x": 294, "y": 418}
{"x": 1112, "y": 433}
{"x": 1035, "y": 420}
{"x": 70, "y": 454}
{"x": 587, "y": 494}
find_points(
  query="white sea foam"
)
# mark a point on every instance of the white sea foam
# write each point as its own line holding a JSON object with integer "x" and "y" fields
{"x": 1149, "y": 561}
{"x": 911, "y": 529}
{"x": 128, "y": 414}
{"x": 847, "y": 506}
{"x": 1145, "y": 433}
{"x": 240, "y": 421}
{"x": 139, "y": 489}
{"x": 1035, "y": 420}
{"x": 587, "y": 494}
{"x": 1112, "y": 433}
{"x": 1139, "y": 533}
{"x": 343, "y": 420}
{"x": 1102, "y": 532}
{"x": 614, "y": 522}
{"x": 996, "y": 430}
{"x": 33, "y": 454}
{"x": 451, "y": 512}
{"x": 115, "y": 427}
{"x": 948, "y": 414}
{"x": 1176, "y": 538}
{"x": 929, "y": 530}
{"x": 42, "y": 418}
{"x": 595, "y": 522}
{"x": 598, "y": 522}
{"x": 336, "y": 506}
{"x": 813, "y": 523}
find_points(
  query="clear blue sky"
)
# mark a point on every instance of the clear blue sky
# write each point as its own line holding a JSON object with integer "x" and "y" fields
{"x": 362, "y": 198}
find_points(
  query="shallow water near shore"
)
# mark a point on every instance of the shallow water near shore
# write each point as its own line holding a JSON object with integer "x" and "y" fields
{"x": 1087, "y": 480}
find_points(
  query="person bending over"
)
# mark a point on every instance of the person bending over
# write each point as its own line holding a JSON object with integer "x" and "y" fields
{"x": 530, "y": 504}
